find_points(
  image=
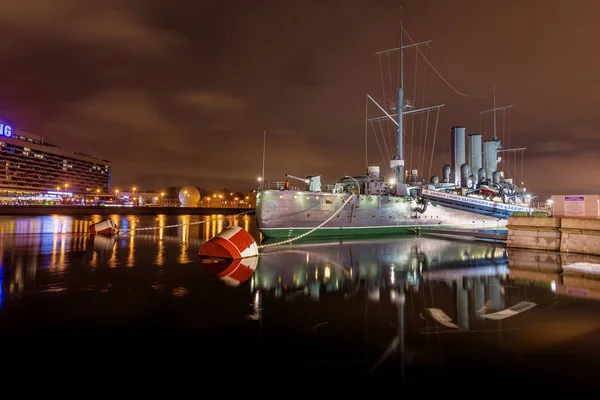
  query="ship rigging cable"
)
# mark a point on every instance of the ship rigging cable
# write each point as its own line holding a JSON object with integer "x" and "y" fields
{"x": 440, "y": 75}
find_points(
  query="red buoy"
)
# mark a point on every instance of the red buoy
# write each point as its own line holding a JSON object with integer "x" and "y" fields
{"x": 232, "y": 242}
{"x": 104, "y": 227}
{"x": 232, "y": 272}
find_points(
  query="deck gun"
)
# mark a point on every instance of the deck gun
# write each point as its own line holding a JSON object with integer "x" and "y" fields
{"x": 313, "y": 182}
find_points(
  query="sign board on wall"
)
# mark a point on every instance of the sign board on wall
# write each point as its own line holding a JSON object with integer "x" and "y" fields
{"x": 574, "y": 206}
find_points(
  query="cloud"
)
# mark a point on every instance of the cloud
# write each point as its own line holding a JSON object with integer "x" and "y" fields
{"x": 556, "y": 146}
{"x": 127, "y": 108}
{"x": 570, "y": 173}
{"x": 123, "y": 121}
{"x": 111, "y": 23}
{"x": 211, "y": 101}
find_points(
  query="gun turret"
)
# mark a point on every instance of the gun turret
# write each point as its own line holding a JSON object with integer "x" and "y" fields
{"x": 313, "y": 182}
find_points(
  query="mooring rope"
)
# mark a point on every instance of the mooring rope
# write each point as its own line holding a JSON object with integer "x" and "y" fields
{"x": 311, "y": 231}
{"x": 121, "y": 230}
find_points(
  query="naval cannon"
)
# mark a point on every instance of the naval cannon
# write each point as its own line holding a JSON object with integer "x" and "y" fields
{"x": 313, "y": 183}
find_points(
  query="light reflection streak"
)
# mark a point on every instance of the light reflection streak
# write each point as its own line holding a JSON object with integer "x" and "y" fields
{"x": 185, "y": 232}
{"x": 131, "y": 253}
{"x": 256, "y": 307}
{"x": 246, "y": 223}
{"x": 219, "y": 223}
{"x": 160, "y": 253}
{"x": 213, "y": 227}
{"x": 112, "y": 261}
{"x": 61, "y": 256}
{"x": 94, "y": 260}
{"x": 207, "y": 229}
{"x": 53, "y": 262}
{"x": 54, "y": 244}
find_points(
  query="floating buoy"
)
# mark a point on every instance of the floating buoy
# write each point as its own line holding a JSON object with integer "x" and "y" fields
{"x": 232, "y": 242}
{"x": 103, "y": 243}
{"x": 104, "y": 227}
{"x": 232, "y": 272}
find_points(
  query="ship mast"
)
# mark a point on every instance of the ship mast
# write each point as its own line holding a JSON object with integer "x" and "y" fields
{"x": 398, "y": 163}
{"x": 494, "y": 94}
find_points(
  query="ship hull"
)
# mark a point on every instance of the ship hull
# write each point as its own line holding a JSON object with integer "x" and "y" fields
{"x": 288, "y": 214}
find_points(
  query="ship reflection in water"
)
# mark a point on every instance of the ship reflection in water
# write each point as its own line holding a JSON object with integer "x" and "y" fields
{"x": 412, "y": 308}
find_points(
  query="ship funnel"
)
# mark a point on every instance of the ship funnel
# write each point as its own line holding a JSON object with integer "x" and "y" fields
{"x": 490, "y": 156}
{"x": 475, "y": 152}
{"x": 458, "y": 152}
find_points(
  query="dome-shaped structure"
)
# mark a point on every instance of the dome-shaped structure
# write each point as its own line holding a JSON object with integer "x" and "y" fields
{"x": 189, "y": 196}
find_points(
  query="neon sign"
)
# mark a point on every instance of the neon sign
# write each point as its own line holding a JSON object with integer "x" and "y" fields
{"x": 5, "y": 130}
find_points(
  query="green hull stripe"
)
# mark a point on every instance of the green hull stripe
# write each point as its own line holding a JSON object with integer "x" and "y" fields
{"x": 289, "y": 233}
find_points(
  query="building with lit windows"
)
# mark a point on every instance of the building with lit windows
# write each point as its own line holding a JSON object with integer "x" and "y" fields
{"x": 31, "y": 169}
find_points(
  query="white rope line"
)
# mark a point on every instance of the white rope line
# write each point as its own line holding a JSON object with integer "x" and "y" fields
{"x": 235, "y": 215}
{"x": 312, "y": 230}
{"x": 180, "y": 225}
{"x": 439, "y": 74}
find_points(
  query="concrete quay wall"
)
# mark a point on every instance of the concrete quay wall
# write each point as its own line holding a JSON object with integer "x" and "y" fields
{"x": 561, "y": 234}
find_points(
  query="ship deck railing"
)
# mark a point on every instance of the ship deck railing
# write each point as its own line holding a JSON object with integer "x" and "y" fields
{"x": 278, "y": 185}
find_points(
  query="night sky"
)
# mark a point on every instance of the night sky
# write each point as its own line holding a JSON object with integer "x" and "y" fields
{"x": 180, "y": 92}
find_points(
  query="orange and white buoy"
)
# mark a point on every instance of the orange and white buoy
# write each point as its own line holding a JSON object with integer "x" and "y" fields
{"x": 232, "y": 272}
{"x": 232, "y": 242}
{"x": 104, "y": 227}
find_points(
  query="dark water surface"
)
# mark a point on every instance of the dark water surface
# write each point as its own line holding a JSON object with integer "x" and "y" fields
{"x": 420, "y": 312}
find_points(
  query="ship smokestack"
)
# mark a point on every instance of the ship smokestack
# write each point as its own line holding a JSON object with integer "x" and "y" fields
{"x": 475, "y": 153}
{"x": 458, "y": 152}
{"x": 490, "y": 156}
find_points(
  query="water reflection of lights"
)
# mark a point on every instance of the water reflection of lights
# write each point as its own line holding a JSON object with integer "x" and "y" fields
{"x": 256, "y": 307}
{"x": 160, "y": 251}
{"x": 56, "y": 243}
{"x": 335, "y": 266}
{"x": 185, "y": 237}
{"x": 131, "y": 252}
{"x": 232, "y": 272}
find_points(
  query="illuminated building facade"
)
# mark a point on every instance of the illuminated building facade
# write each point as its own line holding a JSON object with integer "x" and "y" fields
{"x": 29, "y": 166}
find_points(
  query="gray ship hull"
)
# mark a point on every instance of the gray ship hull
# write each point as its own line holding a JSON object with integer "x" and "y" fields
{"x": 288, "y": 214}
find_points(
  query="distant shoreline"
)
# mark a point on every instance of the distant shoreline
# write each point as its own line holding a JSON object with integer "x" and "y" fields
{"x": 91, "y": 210}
